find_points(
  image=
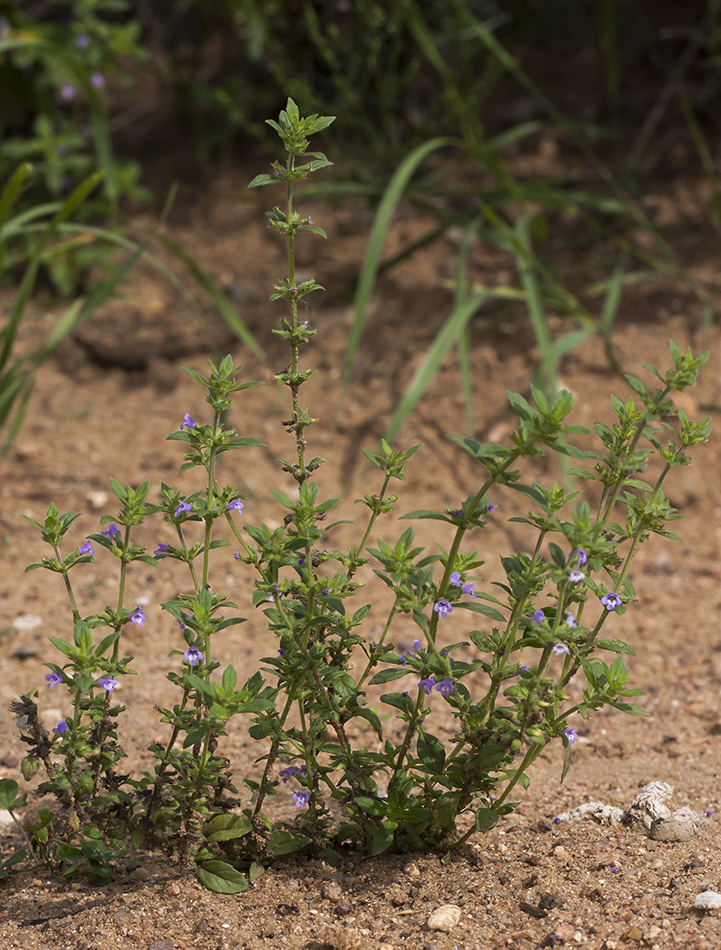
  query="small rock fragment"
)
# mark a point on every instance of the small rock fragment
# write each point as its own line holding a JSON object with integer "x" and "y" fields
{"x": 650, "y": 804}
{"x": 331, "y": 891}
{"x": 596, "y": 811}
{"x": 632, "y": 935}
{"x": 27, "y": 622}
{"x": 412, "y": 870}
{"x": 24, "y": 651}
{"x": 97, "y": 499}
{"x": 161, "y": 945}
{"x": 342, "y": 939}
{"x": 122, "y": 917}
{"x": 672, "y": 829}
{"x": 707, "y": 900}
{"x": 444, "y": 918}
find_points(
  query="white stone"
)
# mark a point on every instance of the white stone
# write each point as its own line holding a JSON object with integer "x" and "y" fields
{"x": 444, "y": 918}
{"x": 707, "y": 900}
{"x": 27, "y": 622}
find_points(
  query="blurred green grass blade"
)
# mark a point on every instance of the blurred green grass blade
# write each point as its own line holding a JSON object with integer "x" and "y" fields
{"x": 31, "y": 271}
{"x": 448, "y": 336}
{"x": 369, "y": 270}
{"x": 534, "y": 303}
{"x": 8, "y": 197}
{"x": 464, "y": 343}
{"x": 220, "y": 300}
{"x": 611, "y": 303}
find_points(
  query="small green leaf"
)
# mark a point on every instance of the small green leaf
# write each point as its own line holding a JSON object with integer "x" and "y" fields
{"x": 616, "y": 646}
{"x": 385, "y": 676}
{"x": 486, "y": 819}
{"x": 227, "y": 827}
{"x": 220, "y": 877}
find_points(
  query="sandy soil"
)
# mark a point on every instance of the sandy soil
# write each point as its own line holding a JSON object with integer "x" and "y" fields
{"x": 104, "y": 407}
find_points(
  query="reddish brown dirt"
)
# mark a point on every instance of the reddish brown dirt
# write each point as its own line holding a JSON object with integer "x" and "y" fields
{"x": 104, "y": 406}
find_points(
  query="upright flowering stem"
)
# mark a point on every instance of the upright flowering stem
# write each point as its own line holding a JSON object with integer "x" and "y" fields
{"x": 68, "y": 587}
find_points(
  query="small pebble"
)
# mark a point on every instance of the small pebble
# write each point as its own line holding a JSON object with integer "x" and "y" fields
{"x": 444, "y": 918}
{"x": 122, "y": 917}
{"x": 412, "y": 870}
{"x": 24, "y": 651}
{"x": 27, "y": 622}
{"x": 672, "y": 829}
{"x": 331, "y": 891}
{"x": 707, "y": 900}
{"x": 161, "y": 945}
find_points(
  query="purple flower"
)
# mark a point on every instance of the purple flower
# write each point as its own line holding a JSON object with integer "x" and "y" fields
{"x": 301, "y": 561}
{"x": 458, "y": 513}
{"x": 110, "y": 531}
{"x": 427, "y": 685}
{"x": 570, "y": 619}
{"x": 467, "y": 588}
{"x": 526, "y": 668}
{"x": 193, "y": 656}
{"x": 556, "y": 821}
{"x": 709, "y": 814}
{"x": 288, "y": 773}
{"x": 161, "y": 549}
{"x": 281, "y": 651}
{"x": 538, "y": 616}
{"x": 86, "y": 548}
{"x": 492, "y": 507}
{"x": 571, "y": 735}
{"x": 442, "y": 608}
{"x": 236, "y": 505}
{"x": 82, "y": 41}
{"x": 67, "y": 93}
{"x": 182, "y": 507}
{"x": 416, "y": 645}
{"x": 301, "y": 798}
{"x": 187, "y": 423}
{"x": 445, "y": 687}
{"x": 52, "y": 679}
{"x": 405, "y": 695}
{"x": 236, "y": 557}
{"x": 580, "y": 555}
{"x": 325, "y": 591}
{"x": 138, "y": 617}
{"x": 611, "y": 601}
{"x": 560, "y": 649}
{"x": 456, "y": 579}
{"x": 402, "y": 659}
{"x": 62, "y": 726}
{"x": 98, "y": 80}
{"x": 576, "y": 576}
{"x": 108, "y": 683}
{"x": 181, "y": 624}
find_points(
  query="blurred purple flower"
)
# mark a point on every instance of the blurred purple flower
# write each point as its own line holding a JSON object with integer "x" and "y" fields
{"x": 538, "y": 616}
{"x": 576, "y": 576}
{"x": 560, "y": 649}
{"x": 187, "y": 423}
{"x": 67, "y": 93}
{"x": 416, "y": 645}
{"x": 445, "y": 687}
{"x": 86, "y": 549}
{"x": 236, "y": 505}
{"x": 52, "y": 679}
{"x": 108, "y": 683}
{"x": 181, "y": 508}
{"x": 110, "y": 531}
{"x": 62, "y": 726}
{"x": 570, "y": 619}
{"x": 161, "y": 549}
{"x": 301, "y": 798}
{"x": 442, "y": 608}
{"x": 611, "y": 601}
{"x": 571, "y": 735}
{"x": 427, "y": 684}
{"x": 138, "y": 617}
{"x": 193, "y": 656}
{"x": 98, "y": 80}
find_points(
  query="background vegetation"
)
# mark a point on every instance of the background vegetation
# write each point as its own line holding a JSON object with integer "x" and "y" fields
{"x": 436, "y": 100}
